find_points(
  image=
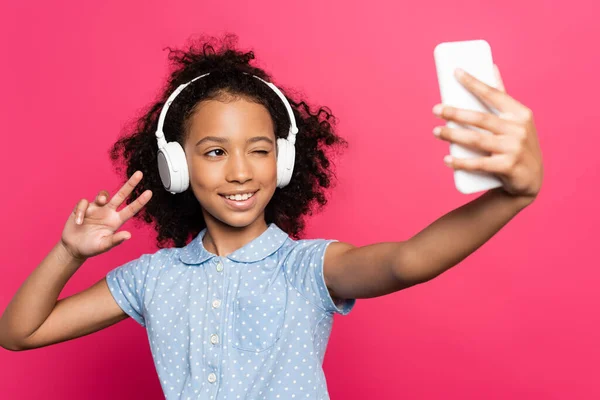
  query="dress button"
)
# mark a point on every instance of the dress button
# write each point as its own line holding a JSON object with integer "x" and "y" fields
{"x": 219, "y": 267}
{"x": 216, "y": 303}
{"x": 214, "y": 339}
{"x": 212, "y": 378}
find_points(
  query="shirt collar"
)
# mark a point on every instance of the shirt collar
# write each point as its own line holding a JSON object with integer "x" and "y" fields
{"x": 259, "y": 248}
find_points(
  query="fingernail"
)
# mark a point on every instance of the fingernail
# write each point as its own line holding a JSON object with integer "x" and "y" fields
{"x": 78, "y": 221}
{"x": 101, "y": 198}
{"x": 437, "y": 109}
{"x": 437, "y": 130}
{"x": 448, "y": 160}
{"x": 459, "y": 72}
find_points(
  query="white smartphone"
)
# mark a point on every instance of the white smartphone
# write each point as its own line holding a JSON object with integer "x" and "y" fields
{"x": 475, "y": 57}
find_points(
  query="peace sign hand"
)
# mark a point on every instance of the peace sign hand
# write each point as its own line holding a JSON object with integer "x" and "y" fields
{"x": 515, "y": 155}
{"x": 90, "y": 229}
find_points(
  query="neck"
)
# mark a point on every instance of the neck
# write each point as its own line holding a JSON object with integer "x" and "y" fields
{"x": 222, "y": 239}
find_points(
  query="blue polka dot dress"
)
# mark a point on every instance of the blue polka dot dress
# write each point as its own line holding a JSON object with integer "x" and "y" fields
{"x": 250, "y": 325}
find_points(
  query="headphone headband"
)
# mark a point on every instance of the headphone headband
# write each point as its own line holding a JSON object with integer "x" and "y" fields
{"x": 163, "y": 113}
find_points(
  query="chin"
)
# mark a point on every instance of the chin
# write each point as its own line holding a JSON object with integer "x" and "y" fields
{"x": 234, "y": 219}
{"x": 240, "y": 222}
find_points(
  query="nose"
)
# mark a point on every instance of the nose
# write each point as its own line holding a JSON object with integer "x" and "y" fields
{"x": 238, "y": 168}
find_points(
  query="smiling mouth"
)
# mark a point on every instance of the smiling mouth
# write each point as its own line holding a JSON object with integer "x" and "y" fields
{"x": 239, "y": 197}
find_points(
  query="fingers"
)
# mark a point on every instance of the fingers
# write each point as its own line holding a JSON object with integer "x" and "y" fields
{"x": 496, "y": 164}
{"x": 79, "y": 211}
{"x": 134, "y": 207}
{"x": 489, "y": 122}
{"x": 497, "y": 98}
{"x": 472, "y": 139}
{"x": 126, "y": 190}
{"x": 102, "y": 198}
{"x": 83, "y": 204}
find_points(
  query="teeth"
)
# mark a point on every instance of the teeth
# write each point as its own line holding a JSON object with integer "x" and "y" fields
{"x": 240, "y": 197}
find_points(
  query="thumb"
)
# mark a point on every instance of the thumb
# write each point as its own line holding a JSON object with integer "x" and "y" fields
{"x": 120, "y": 237}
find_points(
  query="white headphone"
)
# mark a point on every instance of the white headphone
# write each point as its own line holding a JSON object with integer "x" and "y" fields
{"x": 172, "y": 165}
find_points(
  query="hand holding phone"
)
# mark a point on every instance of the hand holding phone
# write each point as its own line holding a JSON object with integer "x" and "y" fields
{"x": 474, "y": 57}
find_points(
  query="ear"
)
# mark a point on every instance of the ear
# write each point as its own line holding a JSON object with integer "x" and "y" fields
{"x": 499, "y": 83}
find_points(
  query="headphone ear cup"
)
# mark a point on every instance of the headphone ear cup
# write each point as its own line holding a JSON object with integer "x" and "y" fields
{"x": 172, "y": 168}
{"x": 286, "y": 155}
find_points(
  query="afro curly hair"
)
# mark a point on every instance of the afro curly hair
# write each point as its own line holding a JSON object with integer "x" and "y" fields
{"x": 178, "y": 218}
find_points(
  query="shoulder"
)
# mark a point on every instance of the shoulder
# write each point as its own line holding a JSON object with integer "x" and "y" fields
{"x": 305, "y": 247}
{"x": 317, "y": 265}
{"x": 325, "y": 256}
{"x": 147, "y": 262}
{"x": 329, "y": 250}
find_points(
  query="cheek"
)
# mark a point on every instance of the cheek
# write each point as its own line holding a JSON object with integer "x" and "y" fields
{"x": 202, "y": 175}
{"x": 270, "y": 172}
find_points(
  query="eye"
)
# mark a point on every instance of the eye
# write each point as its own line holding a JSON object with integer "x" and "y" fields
{"x": 262, "y": 151}
{"x": 216, "y": 153}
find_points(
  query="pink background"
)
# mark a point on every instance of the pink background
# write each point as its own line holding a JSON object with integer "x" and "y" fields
{"x": 518, "y": 319}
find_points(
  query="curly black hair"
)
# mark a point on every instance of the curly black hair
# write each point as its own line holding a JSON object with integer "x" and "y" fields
{"x": 178, "y": 218}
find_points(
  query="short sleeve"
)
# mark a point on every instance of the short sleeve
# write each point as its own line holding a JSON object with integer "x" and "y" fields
{"x": 303, "y": 266}
{"x": 127, "y": 285}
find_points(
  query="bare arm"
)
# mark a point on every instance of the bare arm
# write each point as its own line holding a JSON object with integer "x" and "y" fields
{"x": 383, "y": 268}
{"x": 34, "y": 318}
{"x": 514, "y": 156}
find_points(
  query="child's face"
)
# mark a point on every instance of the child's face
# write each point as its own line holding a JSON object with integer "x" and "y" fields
{"x": 230, "y": 149}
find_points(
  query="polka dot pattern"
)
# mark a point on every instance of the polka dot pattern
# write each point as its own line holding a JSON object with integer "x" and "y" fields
{"x": 250, "y": 325}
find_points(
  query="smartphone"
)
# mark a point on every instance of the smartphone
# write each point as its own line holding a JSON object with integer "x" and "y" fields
{"x": 475, "y": 57}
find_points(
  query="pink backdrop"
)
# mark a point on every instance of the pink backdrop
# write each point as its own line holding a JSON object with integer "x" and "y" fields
{"x": 518, "y": 319}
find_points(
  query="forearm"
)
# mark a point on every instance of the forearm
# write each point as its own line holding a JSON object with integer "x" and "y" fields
{"x": 453, "y": 237}
{"x": 37, "y": 296}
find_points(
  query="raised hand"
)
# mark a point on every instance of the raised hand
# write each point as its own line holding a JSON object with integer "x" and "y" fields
{"x": 515, "y": 155}
{"x": 92, "y": 228}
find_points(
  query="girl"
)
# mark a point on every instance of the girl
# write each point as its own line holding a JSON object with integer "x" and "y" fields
{"x": 235, "y": 305}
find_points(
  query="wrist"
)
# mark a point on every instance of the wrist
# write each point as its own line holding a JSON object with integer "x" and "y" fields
{"x": 68, "y": 256}
{"x": 519, "y": 201}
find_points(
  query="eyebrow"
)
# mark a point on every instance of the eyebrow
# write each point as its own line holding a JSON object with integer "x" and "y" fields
{"x": 225, "y": 140}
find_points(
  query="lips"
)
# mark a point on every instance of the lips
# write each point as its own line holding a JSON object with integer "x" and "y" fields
{"x": 242, "y": 196}
{"x": 240, "y": 205}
